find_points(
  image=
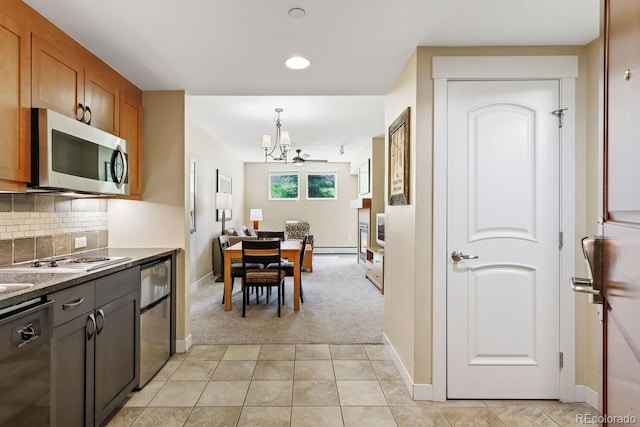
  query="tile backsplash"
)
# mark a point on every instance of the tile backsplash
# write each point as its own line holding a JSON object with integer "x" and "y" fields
{"x": 40, "y": 226}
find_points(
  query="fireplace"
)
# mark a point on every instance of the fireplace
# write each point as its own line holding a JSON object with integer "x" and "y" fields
{"x": 364, "y": 240}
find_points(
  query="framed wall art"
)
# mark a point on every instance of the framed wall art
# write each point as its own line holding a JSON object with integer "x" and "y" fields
{"x": 223, "y": 185}
{"x": 399, "y": 160}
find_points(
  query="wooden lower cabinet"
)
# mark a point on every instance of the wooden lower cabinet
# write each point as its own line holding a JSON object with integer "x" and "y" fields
{"x": 94, "y": 354}
{"x": 72, "y": 372}
{"x": 116, "y": 353}
{"x": 375, "y": 267}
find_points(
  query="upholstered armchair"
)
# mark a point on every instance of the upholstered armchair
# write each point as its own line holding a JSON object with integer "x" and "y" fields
{"x": 296, "y": 230}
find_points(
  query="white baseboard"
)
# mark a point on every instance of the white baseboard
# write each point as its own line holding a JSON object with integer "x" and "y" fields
{"x": 417, "y": 391}
{"x": 204, "y": 278}
{"x": 334, "y": 250}
{"x": 422, "y": 392}
{"x": 182, "y": 346}
{"x": 587, "y": 395}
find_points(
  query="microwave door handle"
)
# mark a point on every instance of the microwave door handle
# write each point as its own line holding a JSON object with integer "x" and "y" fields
{"x": 119, "y": 152}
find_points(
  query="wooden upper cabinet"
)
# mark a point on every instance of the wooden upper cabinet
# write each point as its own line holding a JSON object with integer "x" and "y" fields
{"x": 42, "y": 67}
{"x": 101, "y": 96}
{"x": 131, "y": 130}
{"x": 75, "y": 89}
{"x": 15, "y": 102}
{"x": 58, "y": 80}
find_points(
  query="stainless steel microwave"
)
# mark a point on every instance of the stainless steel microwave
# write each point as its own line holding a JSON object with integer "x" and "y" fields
{"x": 68, "y": 155}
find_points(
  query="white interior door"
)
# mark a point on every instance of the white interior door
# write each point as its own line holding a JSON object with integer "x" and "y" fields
{"x": 503, "y": 207}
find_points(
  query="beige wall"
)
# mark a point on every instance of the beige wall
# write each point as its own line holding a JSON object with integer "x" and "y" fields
{"x": 588, "y": 328}
{"x": 161, "y": 220}
{"x": 375, "y": 152}
{"x": 333, "y": 223}
{"x": 210, "y": 155}
{"x": 400, "y": 266}
{"x": 408, "y": 284}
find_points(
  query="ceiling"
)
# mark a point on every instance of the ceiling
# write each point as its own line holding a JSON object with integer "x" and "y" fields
{"x": 230, "y": 55}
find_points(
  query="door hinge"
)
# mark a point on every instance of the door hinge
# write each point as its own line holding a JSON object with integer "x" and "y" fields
{"x": 559, "y": 114}
{"x": 561, "y": 360}
{"x": 560, "y": 240}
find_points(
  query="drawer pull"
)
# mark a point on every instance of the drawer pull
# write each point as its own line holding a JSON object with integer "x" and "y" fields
{"x": 73, "y": 304}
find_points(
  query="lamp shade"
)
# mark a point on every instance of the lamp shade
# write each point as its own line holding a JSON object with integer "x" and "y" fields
{"x": 266, "y": 142}
{"x": 285, "y": 141}
{"x": 255, "y": 215}
{"x": 224, "y": 201}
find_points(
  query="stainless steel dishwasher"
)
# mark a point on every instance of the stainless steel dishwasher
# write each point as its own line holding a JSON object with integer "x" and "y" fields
{"x": 155, "y": 318}
{"x": 25, "y": 360}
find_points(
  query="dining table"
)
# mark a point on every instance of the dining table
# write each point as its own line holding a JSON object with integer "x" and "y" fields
{"x": 289, "y": 249}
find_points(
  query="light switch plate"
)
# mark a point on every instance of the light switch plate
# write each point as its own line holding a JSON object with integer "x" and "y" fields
{"x": 80, "y": 242}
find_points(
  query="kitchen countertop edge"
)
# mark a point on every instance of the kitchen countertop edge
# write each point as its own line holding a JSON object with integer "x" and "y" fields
{"x": 46, "y": 283}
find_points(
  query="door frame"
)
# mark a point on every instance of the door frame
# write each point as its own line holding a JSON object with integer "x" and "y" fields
{"x": 564, "y": 69}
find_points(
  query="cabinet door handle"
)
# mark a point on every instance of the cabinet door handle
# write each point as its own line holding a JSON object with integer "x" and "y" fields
{"x": 92, "y": 331}
{"x": 73, "y": 304}
{"x": 101, "y": 316}
{"x": 87, "y": 115}
{"x": 80, "y": 112}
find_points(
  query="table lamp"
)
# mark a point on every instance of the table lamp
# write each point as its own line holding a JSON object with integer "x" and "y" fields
{"x": 255, "y": 215}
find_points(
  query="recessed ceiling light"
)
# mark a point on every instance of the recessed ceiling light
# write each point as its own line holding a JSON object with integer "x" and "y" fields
{"x": 297, "y": 63}
{"x": 297, "y": 13}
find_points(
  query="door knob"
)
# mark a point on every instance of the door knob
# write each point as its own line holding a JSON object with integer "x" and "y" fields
{"x": 583, "y": 285}
{"x": 457, "y": 256}
{"x": 593, "y": 251}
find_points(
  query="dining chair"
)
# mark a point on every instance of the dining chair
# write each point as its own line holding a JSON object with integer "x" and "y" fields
{"x": 265, "y": 252}
{"x": 236, "y": 265}
{"x": 288, "y": 267}
{"x": 267, "y": 234}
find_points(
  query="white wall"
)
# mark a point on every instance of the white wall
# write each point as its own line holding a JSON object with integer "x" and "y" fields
{"x": 333, "y": 223}
{"x": 210, "y": 155}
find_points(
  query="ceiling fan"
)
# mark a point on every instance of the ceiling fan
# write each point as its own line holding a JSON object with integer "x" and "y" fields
{"x": 300, "y": 158}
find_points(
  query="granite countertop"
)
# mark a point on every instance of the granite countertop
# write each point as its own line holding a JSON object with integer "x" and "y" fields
{"x": 45, "y": 283}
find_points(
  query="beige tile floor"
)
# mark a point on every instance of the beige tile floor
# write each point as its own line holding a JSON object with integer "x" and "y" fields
{"x": 312, "y": 385}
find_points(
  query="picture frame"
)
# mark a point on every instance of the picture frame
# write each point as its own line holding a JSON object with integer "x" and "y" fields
{"x": 322, "y": 185}
{"x": 192, "y": 196}
{"x": 398, "y": 167}
{"x": 284, "y": 185}
{"x": 224, "y": 184}
{"x": 364, "y": 178}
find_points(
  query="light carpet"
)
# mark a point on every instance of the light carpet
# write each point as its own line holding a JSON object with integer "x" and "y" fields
{"x": 340, "y": 307}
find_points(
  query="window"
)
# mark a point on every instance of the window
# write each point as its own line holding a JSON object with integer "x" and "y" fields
{"x": 322, "y": 185}
{"x": 283, "y": 185}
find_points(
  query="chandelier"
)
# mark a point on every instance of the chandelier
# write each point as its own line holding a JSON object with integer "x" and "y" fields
{"x": 282, "y": 142}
